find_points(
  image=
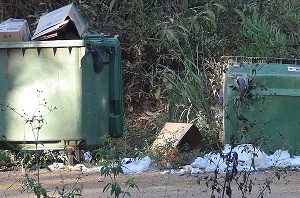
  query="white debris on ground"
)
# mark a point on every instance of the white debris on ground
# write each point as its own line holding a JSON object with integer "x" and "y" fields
{"x": 87, "y": 156}
{"x": 56, "y": 166}
{"x": 249, "y": 159}
{"x": 83, "y": 168}
{"x": 136, "y": 166}
{"x": 77, "y": 167}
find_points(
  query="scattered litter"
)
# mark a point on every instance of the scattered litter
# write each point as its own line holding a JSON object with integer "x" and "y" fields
{"x": 173, "y": 172}
{"x": 83, "y": 168}
{"x": 168, "y": 165}
{"x": 56, "y": 166}
{"x": 128, "y": 160}
{"x": 165, "y": 172}
{"x": 187, "y": 170}
{"x": 136, "y": 166}
{"x": 87, "y": 156}
{"x": 249, "y": 159}
{"x": 77, "y": 167}
{"x": 181, "y": 172}
{"x": 100, "y": 180}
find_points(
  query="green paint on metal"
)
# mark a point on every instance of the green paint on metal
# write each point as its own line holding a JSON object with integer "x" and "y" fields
{"x": 89, "y": 101}
{"x": 267, "y": 115}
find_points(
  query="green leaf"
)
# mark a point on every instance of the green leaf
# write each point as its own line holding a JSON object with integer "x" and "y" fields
{"x": 210, "y": 16}
{"x": 112, "y": 190}
{"x": 116, "y": 170}
{"x": 157, "y": 93}
{"x": 120, "y": 170}
{"x": 220, "y": 6}
{"x": 171, "y": 35}
{"x": 240, "y": 13}
{"x": 139, "y": 3}
{"x": 117, "y": 190}
{"x": 46, "y": 167}
{"x": 106, "y": 187}
{"x": 105, "y": 171}
{"x": 111, "y": 5}
{"x": 277, "y": 174}
{"x": 35, "y": 167}
{"x": 127, "y": 193}
{"x": 131, "y": 183}
{"x": 197, "y": 26}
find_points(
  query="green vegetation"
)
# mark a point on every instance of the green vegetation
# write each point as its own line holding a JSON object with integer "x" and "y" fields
{"x": 171, "y": 54}
{"x": 109, "y": 157}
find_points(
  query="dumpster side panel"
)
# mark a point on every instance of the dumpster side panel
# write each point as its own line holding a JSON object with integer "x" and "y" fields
{"x": 116, "y": 94}
{"x": 105, "y": 66}
{"x": 268, "y": 116}
{"x": 95, "y": 101}
{"x": 81, "y": 78}
{"x": 57, "y": 75}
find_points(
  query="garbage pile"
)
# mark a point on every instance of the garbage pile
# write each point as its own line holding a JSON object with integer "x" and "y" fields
{"x": 64, "y": 23}
{"x": 249, "y": 159}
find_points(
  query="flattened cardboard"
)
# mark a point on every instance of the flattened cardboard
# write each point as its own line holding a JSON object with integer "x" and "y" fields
{"x": 13, "y": 30}
{"x": 179, "y": 135}
{"x": 51, "y": 23}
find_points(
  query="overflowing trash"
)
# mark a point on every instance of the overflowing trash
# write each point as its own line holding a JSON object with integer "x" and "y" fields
{"x": 13, "y": 30}
{"x": 64, "y": 23}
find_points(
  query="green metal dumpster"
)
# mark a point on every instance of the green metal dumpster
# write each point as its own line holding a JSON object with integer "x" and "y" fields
{"x": 261, "y": 98}
{"x": 81, "y": 78}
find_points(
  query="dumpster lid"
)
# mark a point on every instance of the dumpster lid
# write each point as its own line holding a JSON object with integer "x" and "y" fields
{"x": 41, "y": 44}
{"x": 251, "y": 60}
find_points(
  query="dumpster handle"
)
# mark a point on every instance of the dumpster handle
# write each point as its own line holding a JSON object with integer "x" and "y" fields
{"x": 98, "y": 58}
{"x": 241, "y": 82}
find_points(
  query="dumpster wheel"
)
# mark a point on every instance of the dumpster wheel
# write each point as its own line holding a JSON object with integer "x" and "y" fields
{"x": 73, "y": 152}
{"x": 74, "y": 155}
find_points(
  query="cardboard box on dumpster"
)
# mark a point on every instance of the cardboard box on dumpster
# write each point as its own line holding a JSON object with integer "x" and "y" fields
{"x": 14, "y": 30}
{"x": 178, "y": 135}
{"x": 63, "y": 23}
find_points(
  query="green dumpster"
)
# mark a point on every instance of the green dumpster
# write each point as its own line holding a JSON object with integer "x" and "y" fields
{"x": 81, "y": 78}
{"x": 261, "y": 98}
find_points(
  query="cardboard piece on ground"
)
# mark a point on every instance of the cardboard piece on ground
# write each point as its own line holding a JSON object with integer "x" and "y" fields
{"x": 13, "y": 30}
{"x": 179, "y": 135}
{"x": 63, "y": 23}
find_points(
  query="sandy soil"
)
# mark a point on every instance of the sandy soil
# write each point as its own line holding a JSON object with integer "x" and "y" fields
{"x": 152, "y": 184}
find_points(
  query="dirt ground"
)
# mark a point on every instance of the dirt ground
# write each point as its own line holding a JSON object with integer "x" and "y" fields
{"x": 152, "y": 183}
